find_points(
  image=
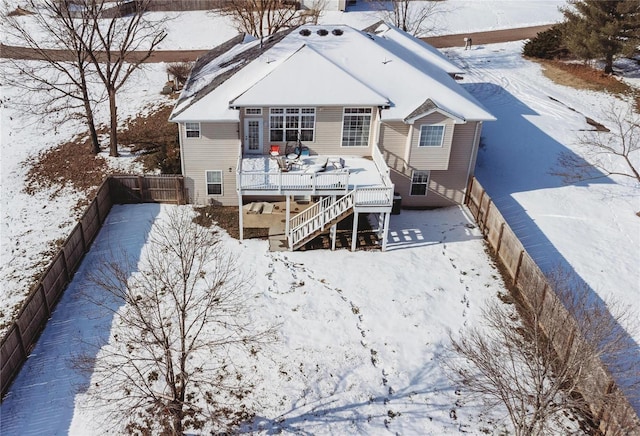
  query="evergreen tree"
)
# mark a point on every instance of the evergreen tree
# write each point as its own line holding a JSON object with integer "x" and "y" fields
{"x": 597, "y": 28}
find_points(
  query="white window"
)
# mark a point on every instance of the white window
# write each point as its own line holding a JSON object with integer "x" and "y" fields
{"x": 431, "y": 136}
{"x": 214, "y": 182}
{"x": 192, "y": 130}
{"x": 356, "y": 123}
{"x": 253, "y": 111}
{"x": 419, "y": 182}
{"x": 289, "y": 124}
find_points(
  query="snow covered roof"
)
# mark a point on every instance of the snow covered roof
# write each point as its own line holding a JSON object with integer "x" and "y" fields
{"x": 326, "y": 65}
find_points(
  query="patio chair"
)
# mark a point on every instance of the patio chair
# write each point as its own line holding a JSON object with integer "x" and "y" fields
{"x": 282, "y": 164}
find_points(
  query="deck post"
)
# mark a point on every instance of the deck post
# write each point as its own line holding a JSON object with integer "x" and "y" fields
{"x": 385, "y": 231}
{"x": 354, "y": 238}
{"x": 287, "y": 216}
{"x": 334, "y": 231}
{"x": 240, "y": 218}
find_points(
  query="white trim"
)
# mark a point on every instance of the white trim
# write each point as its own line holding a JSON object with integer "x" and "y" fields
{"x": 457, "y": 119}
{"x": 444, "y": 129}
{"x": 207, "y": 183}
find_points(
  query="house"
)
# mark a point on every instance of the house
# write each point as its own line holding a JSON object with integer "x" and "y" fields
{"x": 344, "y": 116}
{"x": 327, "y": 5}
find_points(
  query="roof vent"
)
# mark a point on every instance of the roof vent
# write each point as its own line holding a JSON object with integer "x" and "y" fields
{"x": 322, "y": 32}
{"x": 337, "y": 32}
{"x": 305, "y": 32}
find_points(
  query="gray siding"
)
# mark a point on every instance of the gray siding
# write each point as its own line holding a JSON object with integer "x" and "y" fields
{"x": 216, "y": 149}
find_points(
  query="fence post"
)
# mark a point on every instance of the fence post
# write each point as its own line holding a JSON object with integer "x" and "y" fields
{"x": 67, "y": 276}
{"x": 480, "y": 205}
{"x": 95, "y": 201}
{"x": 467, "y": 195}
{"x": 44, "y": 298}
{"x": 141, "y": 187}
{"x": 23, "y": 350}
{"x": 486, "y": 215}
{"x": 515, "y": 276}
{"x": 500, "y": 238}
{"x": 84, "y": 243}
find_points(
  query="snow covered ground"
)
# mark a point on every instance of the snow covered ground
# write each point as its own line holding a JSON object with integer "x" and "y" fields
{"x": 434, "y": 278}
{"x": 29, "y": 226}
{"x": 338, "y": 312}
{"x": 590, "y": 227}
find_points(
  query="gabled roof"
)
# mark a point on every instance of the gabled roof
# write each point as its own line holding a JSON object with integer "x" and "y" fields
{"x": 427, "y": 108}
{"x": 282, "y": 85}
{"x": 326, "y": 65}
{"x": 415, "y": 47}
{"x": 219, "y": 64}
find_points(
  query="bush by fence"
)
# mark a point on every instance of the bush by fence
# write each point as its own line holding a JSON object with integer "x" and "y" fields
{"x": 616, "y": 417}
{"x": 36, "y": 309}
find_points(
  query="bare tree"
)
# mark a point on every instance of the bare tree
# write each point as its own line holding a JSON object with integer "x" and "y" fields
{"x": 117, "y": 46}
{"x": 170, "y": 359}
{"x": 416, "y": 18}
{"x": 262, "y": 18}
{"x": 105, "y": 40}
{"x": 63, "y": 88}
{"x": 517, "y": 361}
{"x": 611, "y": 151}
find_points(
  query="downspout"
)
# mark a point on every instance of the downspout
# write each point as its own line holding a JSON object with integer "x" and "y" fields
{"x": 407, "y": 148}
{"x": 377, "y": 131}
{"x": 180, "y": 128}
{"x": 474, "y": 155}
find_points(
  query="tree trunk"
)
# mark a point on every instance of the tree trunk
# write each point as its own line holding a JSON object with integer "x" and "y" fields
{"x": 608, "y": 68}
{"x": 95, "y": 145}
{"x": 113, "y": 112}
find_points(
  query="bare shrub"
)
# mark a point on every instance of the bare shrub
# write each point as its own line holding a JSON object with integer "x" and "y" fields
{"x": 539, "y": 362}
{"x": 611, "y": 151}
{"x": 180, "y": 70}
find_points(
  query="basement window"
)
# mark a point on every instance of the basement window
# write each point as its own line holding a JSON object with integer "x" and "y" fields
{"x": 214, "y": 182}
{"x": 419, "y": 183}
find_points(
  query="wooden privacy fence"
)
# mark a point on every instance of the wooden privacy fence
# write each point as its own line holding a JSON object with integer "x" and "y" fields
{"x": 617, "y": 417}
{"x": 147, "y": 189}
{"x": 125, "y": 8}
{"x": 35, "y": 311}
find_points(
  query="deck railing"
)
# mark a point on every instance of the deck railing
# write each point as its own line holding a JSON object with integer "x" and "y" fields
{"x": 293, "y": 181}
{"x": 383, "y": 168}
{"x": 378, "y": 196}
{"x": 315, "y": 218}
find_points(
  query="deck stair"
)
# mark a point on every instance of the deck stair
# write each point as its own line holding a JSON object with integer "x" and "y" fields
{"x": 313, "y": 221}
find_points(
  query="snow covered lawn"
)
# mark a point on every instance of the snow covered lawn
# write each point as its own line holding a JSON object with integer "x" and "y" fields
{"x": 361, "y": 336}
{"x": 591, "y": 227}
